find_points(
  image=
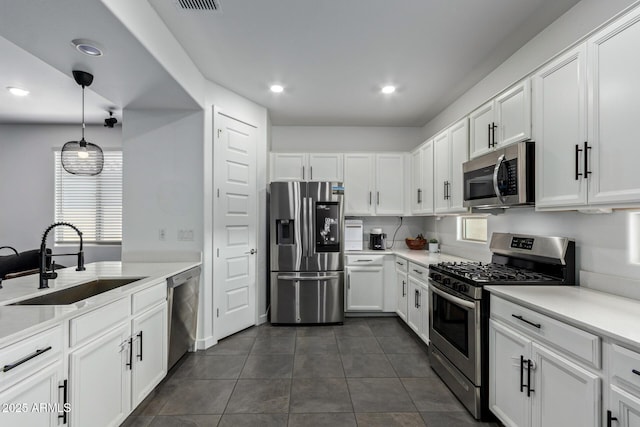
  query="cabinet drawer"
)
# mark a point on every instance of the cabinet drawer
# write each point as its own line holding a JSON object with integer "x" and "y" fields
{"x": 625, "y": 365}
{"x": 29, "y": 355}
{"x": 418, "y": 271}
{"x": 580, "y": 344}
{"x": 90, "y": 325}
{"x": 149, "y": 297}
{"x": 365, "y": 259}
{"x": 402, "y": 265}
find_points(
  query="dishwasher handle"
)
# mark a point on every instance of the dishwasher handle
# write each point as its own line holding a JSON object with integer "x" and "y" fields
{"x": 183, "y": 277}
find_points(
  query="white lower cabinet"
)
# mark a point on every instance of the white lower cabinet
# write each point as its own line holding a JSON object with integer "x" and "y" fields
{"x": 35, "y": 401}
{"x": 100, "y": 380}
{"x": 532, "y": 385}
{"x": 418, "y": 301}
{"x": 625, "y": 408}
{"x": 402, "y": 288}
{"x": 149, "y": 352}
{"x": 365, "y": 288}
{"x": 414, "y": 317}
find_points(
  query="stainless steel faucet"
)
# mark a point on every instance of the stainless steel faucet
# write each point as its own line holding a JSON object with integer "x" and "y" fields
{"x": 45, "y": 275}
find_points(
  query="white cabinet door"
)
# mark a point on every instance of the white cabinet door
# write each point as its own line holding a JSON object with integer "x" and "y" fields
{"x": 424, "y": 312}
{"x": 508, "y": 353}
{"x": 614, "y": 67}
{"x": 149, "y": 351}
{"x": 459, "y": 153}
{"x": 100, "y": 380}
{"x": 565, "y": 394}
{"x": 365, "y": 288}
{"x": 441, "y": 168}
{"x": 417, "y": 182}
{"x": 513, "y": 114}
{"x": 482, "y": 131}
{"x": 560, "y": 129}
{"x": 625, "y": 407}
{"x": 288, "y": 166}
{"x": 41, "y": 388}
{"x": 389, "y": 197}
{"x": 325, "y": 167}
{"x": 414, "y": 314}
{"x": 358, "y": 184}
{"x": 427, "y": 178}
{"x": 402, "y": 290}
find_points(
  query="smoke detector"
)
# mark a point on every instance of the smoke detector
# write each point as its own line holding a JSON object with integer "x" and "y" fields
{"x": 198, "y": 5}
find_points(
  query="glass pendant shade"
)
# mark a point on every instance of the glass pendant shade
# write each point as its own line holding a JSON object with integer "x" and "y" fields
{"x": 82, "y": 157}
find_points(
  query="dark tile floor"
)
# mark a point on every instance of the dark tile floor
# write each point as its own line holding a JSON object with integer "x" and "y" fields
{"x": 367, "y": 372}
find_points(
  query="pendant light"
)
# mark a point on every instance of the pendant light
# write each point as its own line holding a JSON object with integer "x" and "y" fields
{"x": 82, "y": 157}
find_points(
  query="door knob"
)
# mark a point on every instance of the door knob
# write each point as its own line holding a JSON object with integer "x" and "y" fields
{"x": 251, "y": 252}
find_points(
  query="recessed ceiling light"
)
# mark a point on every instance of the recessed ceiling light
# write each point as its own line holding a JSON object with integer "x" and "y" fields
{"x": 88, "y": 47}
{"x": 388, "y": 89}
{"x": 17, "y": 91}
{"x": 276, "y": 88}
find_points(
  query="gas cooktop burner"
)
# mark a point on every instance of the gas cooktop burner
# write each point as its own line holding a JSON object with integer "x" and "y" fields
{"x": 491, "y": 273}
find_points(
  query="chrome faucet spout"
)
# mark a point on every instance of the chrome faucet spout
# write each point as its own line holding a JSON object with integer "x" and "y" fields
{"x": 45, "y": 275}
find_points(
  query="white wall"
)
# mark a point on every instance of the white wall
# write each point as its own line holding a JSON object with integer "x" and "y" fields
{"x": 27, "y": 183}
{"x": 566, "y": 30}
{"x": 344, "y": 138}
{"x": 163, "y": 180}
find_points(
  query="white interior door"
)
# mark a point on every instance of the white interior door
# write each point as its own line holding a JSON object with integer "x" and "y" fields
{"x": 234, "y": 225}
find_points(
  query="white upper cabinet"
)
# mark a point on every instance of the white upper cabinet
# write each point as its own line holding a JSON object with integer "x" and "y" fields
{"x": 421, "y": 194}
{"x": 560, "y": 129}
{"x": 450, "y": 152}
{"x": 586, "y": 103}
{"x": 502, "y": 121}
{"x": 613, "y": 108}
{"x": 306, "y": 167}
{"x": 374, "y": 184}
{"x": 358, "y": 184}
{"x": 288, "y": 166}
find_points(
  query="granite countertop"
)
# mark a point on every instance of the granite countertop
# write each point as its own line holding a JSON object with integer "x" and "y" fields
{"x": 598, "y": 312}
{"x": 20, "y": 321}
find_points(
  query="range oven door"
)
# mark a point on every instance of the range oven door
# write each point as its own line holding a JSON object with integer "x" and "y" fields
{"x": 454, "y": 329}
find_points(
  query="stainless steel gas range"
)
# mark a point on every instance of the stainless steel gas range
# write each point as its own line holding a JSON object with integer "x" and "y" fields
{"x": 459, "y": 307}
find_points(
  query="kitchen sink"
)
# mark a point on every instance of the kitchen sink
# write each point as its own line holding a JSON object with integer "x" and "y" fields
{"x": 78, "y": 292}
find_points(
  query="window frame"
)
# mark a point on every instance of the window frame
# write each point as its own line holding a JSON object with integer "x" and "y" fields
{"x": 461, "y": 228}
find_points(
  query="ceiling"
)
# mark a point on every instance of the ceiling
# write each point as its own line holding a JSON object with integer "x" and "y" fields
{"x": 37, "y": 54}
{"x": 333, "y": 57}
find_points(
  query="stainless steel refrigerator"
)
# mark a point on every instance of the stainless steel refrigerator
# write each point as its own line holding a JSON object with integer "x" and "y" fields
{"x": 306, "y": 251}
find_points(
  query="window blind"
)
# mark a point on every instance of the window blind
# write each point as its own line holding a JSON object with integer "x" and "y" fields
{"x": 91, "y": 203}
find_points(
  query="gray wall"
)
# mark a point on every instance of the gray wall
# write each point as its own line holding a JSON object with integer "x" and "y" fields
{"x": 27, "y": 182}
{"x": 344, "y": 138}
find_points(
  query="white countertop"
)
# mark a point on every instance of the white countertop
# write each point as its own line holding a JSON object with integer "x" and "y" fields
{"x": 18, "y": 321}
{"x": 598, "y": 312}
{"x": 421, "y": 257}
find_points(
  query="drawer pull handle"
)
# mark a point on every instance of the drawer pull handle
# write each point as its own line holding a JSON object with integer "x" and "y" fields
{"x": 25, "y": 359}
{"x": 610, "y": 418}
{"x": 529, "y": 367}
{"x": 521, "y": 373}
{"x": 140, "y": 337}
{"x": 399, "y": 263}
{"x": 417, "y": 271}
{"x": 635, "y": 371}
{"x": 364, "y": 260}
{"x": 537, "y": 325}
{"x": 65, "y": 400}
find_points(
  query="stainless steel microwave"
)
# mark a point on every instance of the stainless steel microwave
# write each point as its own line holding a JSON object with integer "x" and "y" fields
{"x": 502, "y": 178}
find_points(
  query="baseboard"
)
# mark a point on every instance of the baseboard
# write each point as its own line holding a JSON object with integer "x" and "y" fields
{"x": 205, "y": 343}
{"x": 262, "y": 319}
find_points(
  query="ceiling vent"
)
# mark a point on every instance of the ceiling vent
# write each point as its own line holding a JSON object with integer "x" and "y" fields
{"x": 197, "y": 5}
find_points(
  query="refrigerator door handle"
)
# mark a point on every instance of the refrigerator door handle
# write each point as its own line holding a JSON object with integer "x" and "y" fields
{"x": 304, "y": 228}
{"x": 310, "y": 223}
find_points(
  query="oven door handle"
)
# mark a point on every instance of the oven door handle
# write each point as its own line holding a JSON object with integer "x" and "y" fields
{"x": 453, "y": 299}
{"x": 496, "y": 170}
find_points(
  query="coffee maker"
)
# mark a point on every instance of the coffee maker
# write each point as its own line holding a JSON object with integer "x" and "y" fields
{"x": 377, "y": 239}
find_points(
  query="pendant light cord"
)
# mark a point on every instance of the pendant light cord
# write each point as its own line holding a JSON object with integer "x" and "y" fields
{"x": 82, "y": 112}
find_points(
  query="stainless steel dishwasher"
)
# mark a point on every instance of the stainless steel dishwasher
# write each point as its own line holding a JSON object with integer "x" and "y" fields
{"x": 182, "y": 297}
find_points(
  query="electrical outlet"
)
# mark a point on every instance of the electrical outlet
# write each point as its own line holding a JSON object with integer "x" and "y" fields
{"x": 185, "y": 235}
{"x": 162, "y": 234}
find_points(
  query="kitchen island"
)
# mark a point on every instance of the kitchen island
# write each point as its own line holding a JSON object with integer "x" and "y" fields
{"x": 90, "y": 362}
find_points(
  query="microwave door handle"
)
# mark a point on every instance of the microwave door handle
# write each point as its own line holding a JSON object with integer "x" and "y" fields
{"x": 495, "y": 178}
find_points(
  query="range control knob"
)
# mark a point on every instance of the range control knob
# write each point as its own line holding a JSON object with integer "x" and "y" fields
{"x": 436, "y": 276}
{"x": 463, "y": 288}
{"x": 446, "y": 281}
